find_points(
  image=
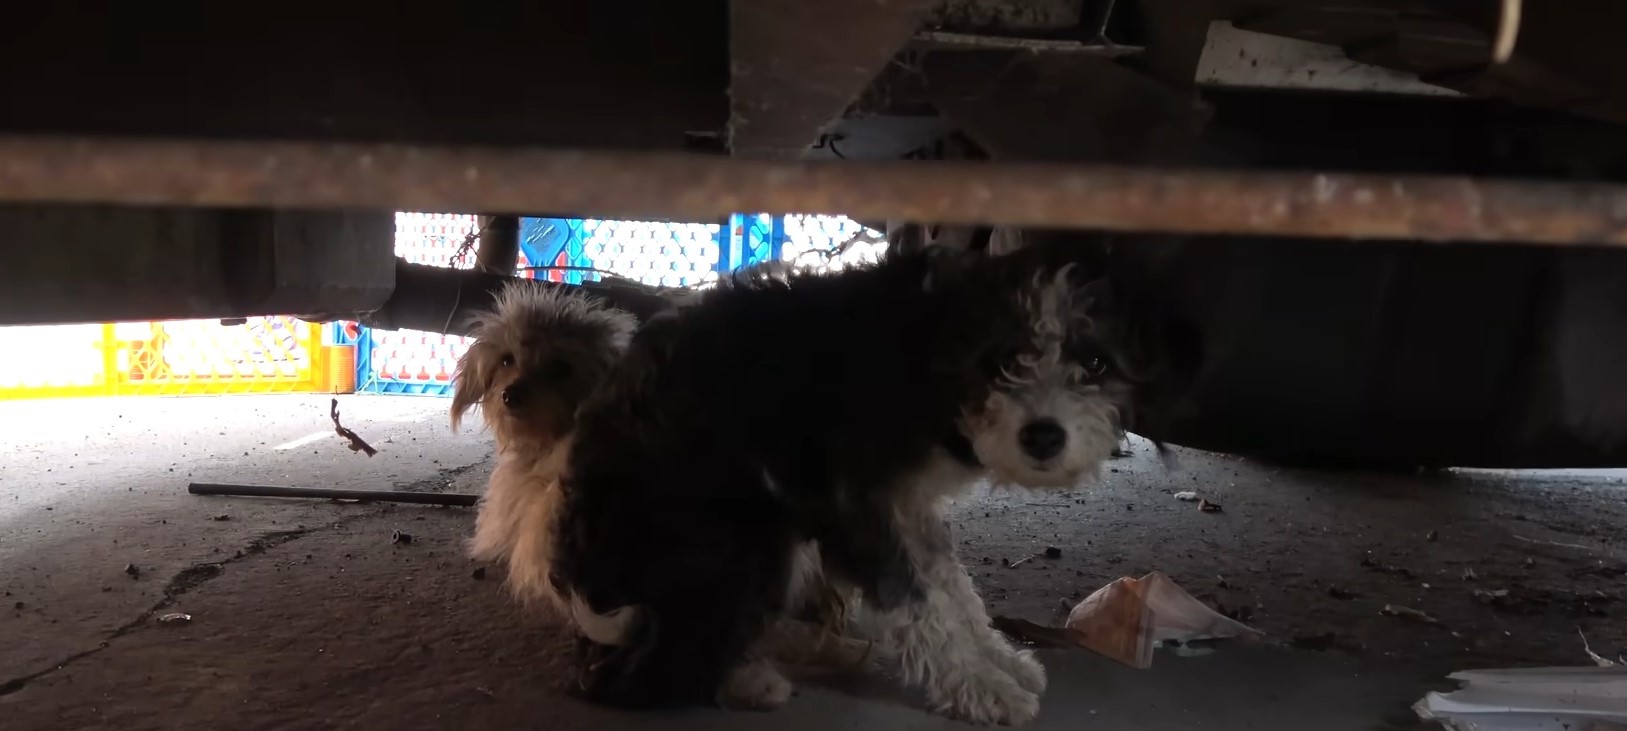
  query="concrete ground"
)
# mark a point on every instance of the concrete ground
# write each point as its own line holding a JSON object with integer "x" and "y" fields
{"x": 305, "y": 615}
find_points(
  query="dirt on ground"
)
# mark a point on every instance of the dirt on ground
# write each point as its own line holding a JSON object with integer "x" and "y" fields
{"x": 310, "y": 614}
{"x": 1501, "y": 568}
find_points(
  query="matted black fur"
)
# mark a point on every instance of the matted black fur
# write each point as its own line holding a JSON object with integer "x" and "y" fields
{"x": 769, "y": 413}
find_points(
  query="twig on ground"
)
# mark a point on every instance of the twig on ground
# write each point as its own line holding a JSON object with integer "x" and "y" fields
{"x": 357, "y": 444}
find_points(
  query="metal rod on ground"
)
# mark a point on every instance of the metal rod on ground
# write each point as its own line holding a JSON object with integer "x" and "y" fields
{"x": 701, "y": 188}
{"x": 322, "y": 493}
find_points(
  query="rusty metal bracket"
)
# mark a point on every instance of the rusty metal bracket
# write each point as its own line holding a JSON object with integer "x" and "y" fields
{"x": 795, "y": 66}
{"x": 499, "y": 248}
{"x": 685, "y": 187}
{"x": 441, "y": 299}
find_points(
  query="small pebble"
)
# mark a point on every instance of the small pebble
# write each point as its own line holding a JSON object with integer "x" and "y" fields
{"x": 1053, "y": 552}
{"x": 399, "y": 537}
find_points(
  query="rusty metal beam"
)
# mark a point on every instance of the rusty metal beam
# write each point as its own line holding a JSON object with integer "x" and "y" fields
{"x": 684, "y": 187}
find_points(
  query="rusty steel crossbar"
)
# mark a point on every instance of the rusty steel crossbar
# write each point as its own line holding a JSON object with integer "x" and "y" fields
{"x": 699, "y": 188}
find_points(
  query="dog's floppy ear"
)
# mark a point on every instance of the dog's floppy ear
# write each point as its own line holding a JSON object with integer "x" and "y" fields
{"x": 470, "y": 381}
{"x": 1129, "y": 314}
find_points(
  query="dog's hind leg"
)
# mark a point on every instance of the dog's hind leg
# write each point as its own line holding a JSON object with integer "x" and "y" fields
{"x": 687, "y": 650}
{"x": 704, "y": 585}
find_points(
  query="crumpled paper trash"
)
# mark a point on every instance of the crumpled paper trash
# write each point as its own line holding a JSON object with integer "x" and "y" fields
{"x": 1532, "y": 699}
{"x": 1129, "y": 618}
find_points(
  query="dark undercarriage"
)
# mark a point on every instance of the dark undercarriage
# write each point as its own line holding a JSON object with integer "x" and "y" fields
{"x": 190, "y": 160}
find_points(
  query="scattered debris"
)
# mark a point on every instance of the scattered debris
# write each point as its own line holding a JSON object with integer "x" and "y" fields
{"x": 19, "y": 606}
{"x": 399, "y": 536}
{"x": 1208, "y": 507}
{"x": 1317, "y": 643}
{"x": 1531, "y": 699}
{"x": 1187, "y": 496}
{"x": 1432, "y": 536}
{"x": 1555, "y": 544}
{"x": 479, "y": 574}
{"x": 221, "y": 517}
{"x": 132, "y": 571}
{"x": 1337, "y": 593}
{"x": 1029, "y": 633}
{"x": 1128, "y": 618}
{"x": 357, "y": 444}
{"x": 1242, "y": 613}
{"x": 174, "y": 618}
{"x": 1531, "y": 601}
{"x": 1051, "y": 552}
{"x": 1407, "y": 613}
{"x": 1470, "y": 575}
{"x": 1368, "y": 561}
{"x": 1597, "y": 659}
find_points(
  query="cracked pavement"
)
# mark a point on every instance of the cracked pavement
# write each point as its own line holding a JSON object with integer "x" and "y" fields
{"x": 91, "y": 487}
{"x": 305, "y": 615}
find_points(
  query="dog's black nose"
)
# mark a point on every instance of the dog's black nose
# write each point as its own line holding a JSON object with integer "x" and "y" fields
{"x": 1042, "y": 438}
{"x": 511, "y": 396}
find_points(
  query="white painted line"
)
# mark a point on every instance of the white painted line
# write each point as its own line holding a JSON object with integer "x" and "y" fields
{"x": 307, "y": 439}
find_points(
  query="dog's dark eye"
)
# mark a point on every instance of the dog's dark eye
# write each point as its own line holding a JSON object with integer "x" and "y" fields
{"x": 1095, "y": 367}
{"x": 507, "y": 360}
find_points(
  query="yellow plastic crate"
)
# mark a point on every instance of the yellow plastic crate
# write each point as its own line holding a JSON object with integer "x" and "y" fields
{"x": 175, "y": 358}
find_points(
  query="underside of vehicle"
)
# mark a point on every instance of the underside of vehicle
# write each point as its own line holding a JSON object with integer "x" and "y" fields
{"x": 1380, "y": 233}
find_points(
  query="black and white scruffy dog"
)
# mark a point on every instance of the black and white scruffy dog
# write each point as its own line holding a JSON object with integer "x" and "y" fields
{"x": 779, "y": 433}
{"x": 538, "y": 353}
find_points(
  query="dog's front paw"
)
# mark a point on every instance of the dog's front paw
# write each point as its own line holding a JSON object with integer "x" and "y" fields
{"x": 1026, "y": 670}
{"x": 995, "y": 699}
{"x": 1019, "y": 663}
{"x": 756, "y": 686}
